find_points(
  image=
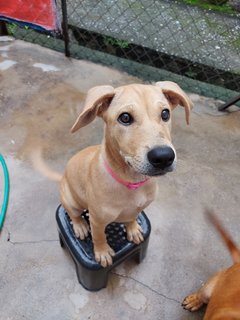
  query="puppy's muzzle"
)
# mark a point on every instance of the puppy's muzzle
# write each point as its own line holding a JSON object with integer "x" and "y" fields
{"x": 161, "y": 159}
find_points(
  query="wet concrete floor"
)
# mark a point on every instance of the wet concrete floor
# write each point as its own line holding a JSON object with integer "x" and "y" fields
{"x": 41, "y": 94}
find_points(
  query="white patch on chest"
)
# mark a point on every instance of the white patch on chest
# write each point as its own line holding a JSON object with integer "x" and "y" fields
{"x": 141, "y": 200}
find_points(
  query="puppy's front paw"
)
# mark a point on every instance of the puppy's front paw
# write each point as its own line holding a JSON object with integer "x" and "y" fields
{"x": 81, "y": 228}
{"x": 192, "y": 302}
{"x": 134, "y": 232}
{"x": 104, "y": 254}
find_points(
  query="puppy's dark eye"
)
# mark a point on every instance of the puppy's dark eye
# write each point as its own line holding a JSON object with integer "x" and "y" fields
{"x": 125, "y": 119}
{"x": 165, "y": 115}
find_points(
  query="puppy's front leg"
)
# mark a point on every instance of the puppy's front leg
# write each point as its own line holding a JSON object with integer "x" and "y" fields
{"x": 80, "y": 226}
{"x": 102, "y": 251}
{"x": 134, "y": 232}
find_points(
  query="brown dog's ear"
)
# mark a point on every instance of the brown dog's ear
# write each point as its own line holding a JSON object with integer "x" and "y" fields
{"x": 176, "y": 96}
{"x": 98, "y": 99}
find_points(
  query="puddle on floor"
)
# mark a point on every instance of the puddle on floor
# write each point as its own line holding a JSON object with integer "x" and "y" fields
{"x": 6, "y": 64}
{"x": 45, "y": 120}
{"x": 45, "y": 67}
{"x": 4, "y": 48}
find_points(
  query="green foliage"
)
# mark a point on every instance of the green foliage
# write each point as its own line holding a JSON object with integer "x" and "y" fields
{"x": 215, "y": 5}
{"x": 123, "y": 44}
{"x": 236, "y": 43}
{"x": 12, "y": 28}
{"x": 216, "y": 2}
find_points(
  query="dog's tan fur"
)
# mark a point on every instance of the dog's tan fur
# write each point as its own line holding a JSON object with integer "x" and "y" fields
{"x": 222, "y": 291}
{"x": 87, "y": 184}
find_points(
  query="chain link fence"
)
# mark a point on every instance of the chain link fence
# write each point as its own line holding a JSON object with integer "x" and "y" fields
{"x": 155, "y": 40}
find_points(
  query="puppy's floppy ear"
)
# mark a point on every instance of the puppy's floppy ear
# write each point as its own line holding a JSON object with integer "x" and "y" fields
{"x": 97, "y": 100}
{"x": 176, "y": 96}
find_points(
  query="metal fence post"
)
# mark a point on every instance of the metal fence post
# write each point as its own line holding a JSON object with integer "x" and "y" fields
{"x": 65, "y": 27}
{"x": 229, "y": 103}
{"x": 3, "y": 28}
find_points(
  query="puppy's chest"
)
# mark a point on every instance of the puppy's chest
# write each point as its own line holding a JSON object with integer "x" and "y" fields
{"x": 134, "y": 202}
{"x": 138, "y": 200}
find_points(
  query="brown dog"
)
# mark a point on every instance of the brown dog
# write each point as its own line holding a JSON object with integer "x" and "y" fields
{"x": 116, "y": 180}
{"x": 222, "y": 291}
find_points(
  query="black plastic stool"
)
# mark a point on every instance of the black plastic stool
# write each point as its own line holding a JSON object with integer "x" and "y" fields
{"x": 91, "y": 274}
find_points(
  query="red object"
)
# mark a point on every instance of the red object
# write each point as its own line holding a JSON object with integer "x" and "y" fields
{"x": 42, "y": 13}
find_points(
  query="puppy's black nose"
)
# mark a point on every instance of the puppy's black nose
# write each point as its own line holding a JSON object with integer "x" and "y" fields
{"x": 161, "y": 157}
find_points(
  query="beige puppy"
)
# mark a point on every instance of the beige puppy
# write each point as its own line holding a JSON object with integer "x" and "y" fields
{"x": 116, "y": 180}
{"x": 222, "y": 291}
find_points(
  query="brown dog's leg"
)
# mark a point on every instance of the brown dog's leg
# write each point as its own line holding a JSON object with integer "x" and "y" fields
{"x": 80, "y": 226}
{"x": 134, "y": 232}
{"x": 103, "y": 252}
{"x": 194, "y": 301}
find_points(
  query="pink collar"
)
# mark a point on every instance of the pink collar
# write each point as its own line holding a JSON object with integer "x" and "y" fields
{"x": 129, "y": 185}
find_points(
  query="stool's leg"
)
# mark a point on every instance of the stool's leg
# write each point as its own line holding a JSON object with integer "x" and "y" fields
{"x": 61, "y": 241}
{"x": 92, "y": 280}
{"x": 142, "y": 251}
